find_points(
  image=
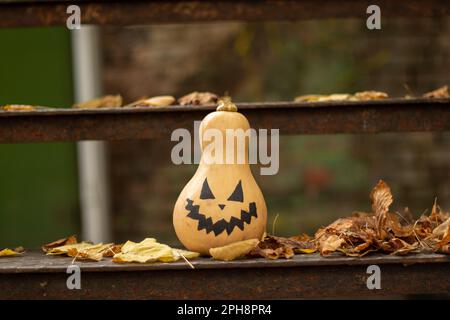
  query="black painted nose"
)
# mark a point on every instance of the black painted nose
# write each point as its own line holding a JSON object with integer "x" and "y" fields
{"x": 221, "y": 206}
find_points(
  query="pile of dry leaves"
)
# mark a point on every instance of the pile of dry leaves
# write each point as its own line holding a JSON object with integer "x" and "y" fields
{"x": 440, "y": 93}
{"x": 116, "y": 101}
{"x": 384, "y": 231}
{"x": 358, "y": 96}
{"x": 379, "y": 231}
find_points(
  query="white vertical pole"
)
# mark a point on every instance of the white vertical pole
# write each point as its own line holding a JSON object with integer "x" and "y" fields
{"x": 92, "y": 169}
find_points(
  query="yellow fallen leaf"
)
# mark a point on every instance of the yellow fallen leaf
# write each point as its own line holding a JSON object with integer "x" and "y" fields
{"x": 111, "y": 251}
{"x": 149, "y": 250}
{"x": 17, "y": 107}
{"x": 198, "y": 98}
{"x": 157, "y": 252}
{"x": 186, "y": 254}
{"x": 9, "y": 253}
{"x": 109, "y": 101}
{"x": 234, "y": 250}
{"x": 358, "y": 96}
{"x": 323, "y": 97}
{"x": 307, "y": 251}
{"x": 370, "y": 95}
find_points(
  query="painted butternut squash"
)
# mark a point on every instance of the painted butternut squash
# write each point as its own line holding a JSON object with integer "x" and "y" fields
{"x": 222, "y": 203}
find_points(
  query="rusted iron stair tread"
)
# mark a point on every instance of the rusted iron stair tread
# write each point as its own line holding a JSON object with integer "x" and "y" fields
{"x": 37, "y": 262}
{"x": 390, "y": 115}
{"x": 108, "y": 12}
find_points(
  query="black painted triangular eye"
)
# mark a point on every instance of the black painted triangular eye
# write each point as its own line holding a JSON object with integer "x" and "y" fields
{"x": 237, "y": 194}
{"x": 206, "y": 192}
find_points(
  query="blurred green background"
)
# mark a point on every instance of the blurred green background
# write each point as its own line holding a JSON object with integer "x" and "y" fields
{"x": 38, "y": 182}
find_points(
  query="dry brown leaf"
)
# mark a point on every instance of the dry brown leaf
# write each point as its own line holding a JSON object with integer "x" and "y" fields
{"x": 80, "y": 251}
{"x": 234, "y": 250}
{"x": 272, "y": 247}
{"x": 111, "y": 251}
{"x": 445, "y": 249}
{"x": 335, "y": 97}
{"x": 302, "y": 237}
{"x": 352, "y": 253}
{"x": 109, "y": 101}
{"x": 158, "y": 101}
{"x": 323, "y": 97}
{"x": 299, "y": 246}
{"x": 91, "y": 253}
{"x": 59, "y": 243}
{"x": 440, "y": 93}
{"x": 381, "y": 197}
{"x": 309, "y": 98}
{"x": 19, "y": 249}
{"x": 353, "y": 236}
{"x": 397, "y": 246}
{"x": 331, "y": 244}
{"x": 84, "y": 255}
{"x": 363, "y": 246}
{"x": 198, "y": 98}
{"x": 393, "y": 224}
{"x": 441, "y": 229}
{"x": 407, "y": 217}
{"x": 370, "y": 95}
{"x": 358, "y": 96}
{"x": 445, "y": 239}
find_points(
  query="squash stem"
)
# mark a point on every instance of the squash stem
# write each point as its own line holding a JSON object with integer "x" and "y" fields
{"x": 225, "y": 104}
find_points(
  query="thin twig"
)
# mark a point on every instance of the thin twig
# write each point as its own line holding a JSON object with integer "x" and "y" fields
{"x": 417, "y": 237}
{"x": 75, "y": 258}
{"x": 273, "y": 224}
{"x": 398, "y": 213}
{"x": 186, "y": 260}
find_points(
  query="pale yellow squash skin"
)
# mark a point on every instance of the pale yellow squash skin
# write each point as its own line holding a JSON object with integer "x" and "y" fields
{"x": 222, "y": 180}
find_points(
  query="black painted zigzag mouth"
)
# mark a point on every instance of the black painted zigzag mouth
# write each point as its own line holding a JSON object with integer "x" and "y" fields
{"x": 221, "y": 225}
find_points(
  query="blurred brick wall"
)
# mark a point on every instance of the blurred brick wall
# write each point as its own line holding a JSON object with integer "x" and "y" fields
{"x": 148, "y": 61}
{"x": 410, "y": 56}
{"x": 297, "y": 58}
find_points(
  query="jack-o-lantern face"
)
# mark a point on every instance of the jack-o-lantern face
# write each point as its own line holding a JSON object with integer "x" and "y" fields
{"x": 231, "y": 208}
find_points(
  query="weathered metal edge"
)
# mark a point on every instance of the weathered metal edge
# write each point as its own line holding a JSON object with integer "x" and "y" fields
{"x": 276, "y": 105}
{"x": 132, "y": 12}
{"x": 289, "y": 118}
{"x": 60, "y": 264}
